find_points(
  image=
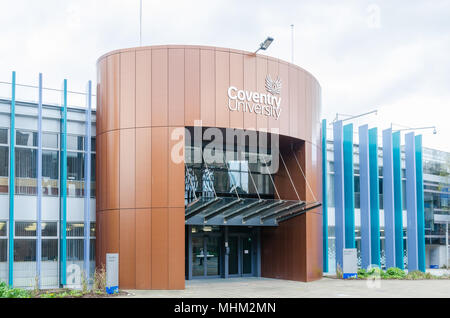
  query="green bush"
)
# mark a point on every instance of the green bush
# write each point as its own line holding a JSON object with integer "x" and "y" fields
{"x": 6, "y": 292}
{"x": 394, "y": 273}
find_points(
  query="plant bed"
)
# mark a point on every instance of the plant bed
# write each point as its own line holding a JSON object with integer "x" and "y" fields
{"x": 398, "y": 274}
{"x": 74, "y": 293}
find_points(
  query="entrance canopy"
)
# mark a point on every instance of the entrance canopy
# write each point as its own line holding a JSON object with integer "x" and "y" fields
{"x": 243, "y": 211}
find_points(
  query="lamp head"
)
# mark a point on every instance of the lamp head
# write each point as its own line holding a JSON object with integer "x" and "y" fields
{"x": 264, "y": 45}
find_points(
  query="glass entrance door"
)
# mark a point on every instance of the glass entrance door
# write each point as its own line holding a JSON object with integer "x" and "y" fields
{"x": 206, "y": 256}
{"x": 246, "y": 255}
{"x": 240, "y": 257}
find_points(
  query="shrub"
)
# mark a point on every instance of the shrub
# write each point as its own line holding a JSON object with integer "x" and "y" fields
{"x": 395, "y": 273}
{"x": 6, "y": 292}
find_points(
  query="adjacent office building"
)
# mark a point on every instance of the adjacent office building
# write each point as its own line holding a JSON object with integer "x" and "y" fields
{"x": 436, "y": 172}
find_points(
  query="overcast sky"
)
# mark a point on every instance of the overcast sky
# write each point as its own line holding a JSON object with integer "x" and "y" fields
{"x": 387, "y": 55}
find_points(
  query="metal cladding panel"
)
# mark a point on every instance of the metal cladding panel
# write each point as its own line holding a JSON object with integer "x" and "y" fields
{"x": 222, "y": 81}
{"x": 143, "y": 240}
{"x": 349, "y": 187}
{"x": 274, "y": 72}
{"x": 176, "y": 87}
{"x": 113, "y": 92}
{"x": 398, "y": 213}
{"x": 160, "y": 248}
{"x": 364, "y": 190}
{"x": 159, "y": 88}
{"x": 143, "y": 88}
{"x": 192, "y": 86}
{"x": 237, "y": 80}
{"x": 374, "y": 197}
{"x": 176, "y": 248}
{"x": 127, "y": 248}
{"x": 262, "y": 123}
{"x": 283, "y": 121}
{"x": 112, "y": 169}
{"x": 139, "y": 135}
{"x": 388, "y": 199}
{"x": 339, "y": 199}
{"x": 176, "y": 167}
{"x": 127, "y": 105}
{"x": 127, "y": 174}
{"x": 208, "y": 88}
{"x": 160, "y": 165}
{"x": 420, "y": 204}
{"x": 250, "y": 85}
{"x": 411, "y": 202}
{"x": 143, "y": 167}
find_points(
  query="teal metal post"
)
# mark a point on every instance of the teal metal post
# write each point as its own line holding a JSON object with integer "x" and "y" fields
{"x": 324, "y": 196}
{"x": 398, "y": 208}
{"x": 63, "y": 198}
{"x": 349, "y": 187}
{"x": 374, "y": 197}
{"x": 420, "y": 205}
{"x": 12, "y": 174}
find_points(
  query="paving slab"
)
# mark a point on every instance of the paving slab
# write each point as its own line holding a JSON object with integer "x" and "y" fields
{"x": 257, "y": 287}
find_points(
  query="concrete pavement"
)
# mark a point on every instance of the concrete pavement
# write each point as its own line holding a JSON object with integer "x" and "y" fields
{"x": 326, "y": 287}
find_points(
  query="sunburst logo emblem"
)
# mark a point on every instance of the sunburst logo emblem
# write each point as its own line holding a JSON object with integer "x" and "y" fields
{"x": 273, "y": 86}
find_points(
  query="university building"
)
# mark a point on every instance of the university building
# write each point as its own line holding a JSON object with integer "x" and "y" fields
{"x": 202, "y": 162}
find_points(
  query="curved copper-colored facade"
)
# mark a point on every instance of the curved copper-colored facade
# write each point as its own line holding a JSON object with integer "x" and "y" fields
{"x": 144, "y": 94}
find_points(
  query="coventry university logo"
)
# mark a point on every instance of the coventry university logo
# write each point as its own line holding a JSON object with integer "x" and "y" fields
{"x": 266, "y": 104}
{"x": 273, "y": 86}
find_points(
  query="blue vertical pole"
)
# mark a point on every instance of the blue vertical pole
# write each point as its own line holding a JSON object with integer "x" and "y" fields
{"x": 411, "y": 201}
{"x": 374, "y": 197}
{"x": 324, "y": 197}
{"x": 63, "y": 209}
{"x": 420, "y": 205}
{"x": 39, "y": 188}
{"x": 398, "y": 212}
{"x": 12, "y": 145}
{"x": 388, "y": 198}
{"x": 364, "y": 181}
{"x": 339, "y": 200}
{"x": 349, "y": 187}
{"x": 87, "y": 181}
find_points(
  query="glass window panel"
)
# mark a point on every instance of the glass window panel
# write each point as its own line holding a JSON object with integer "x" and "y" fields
{"x": 75, "y": 166}
{"x": 93, "y": 145}
{"x": 93, "y": 167}
{"x": 4, "y": 161}
{"x": 92, "y": 229}
{"x": 92, "y": 250}
{"x": 50, "y": 168}
{"x": 25, "y": 229}
{"x": 75, "y": 142}
{"x": 3, "y": 250}
{"x": 26, "y": 138}
{"x": 49, "y": 250}
{"x": 49, "y": 229}
{"x": 75, "y": 249}
{"x": 75, "y": 174}
{"x": 4, "y": 136}
{"x": 75, "y": 229}
{"x": 49, "y": 140}
{"x": 25, "y": 250}
{"x": 25, "y": 163}
{"x": 3, "y": 228}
